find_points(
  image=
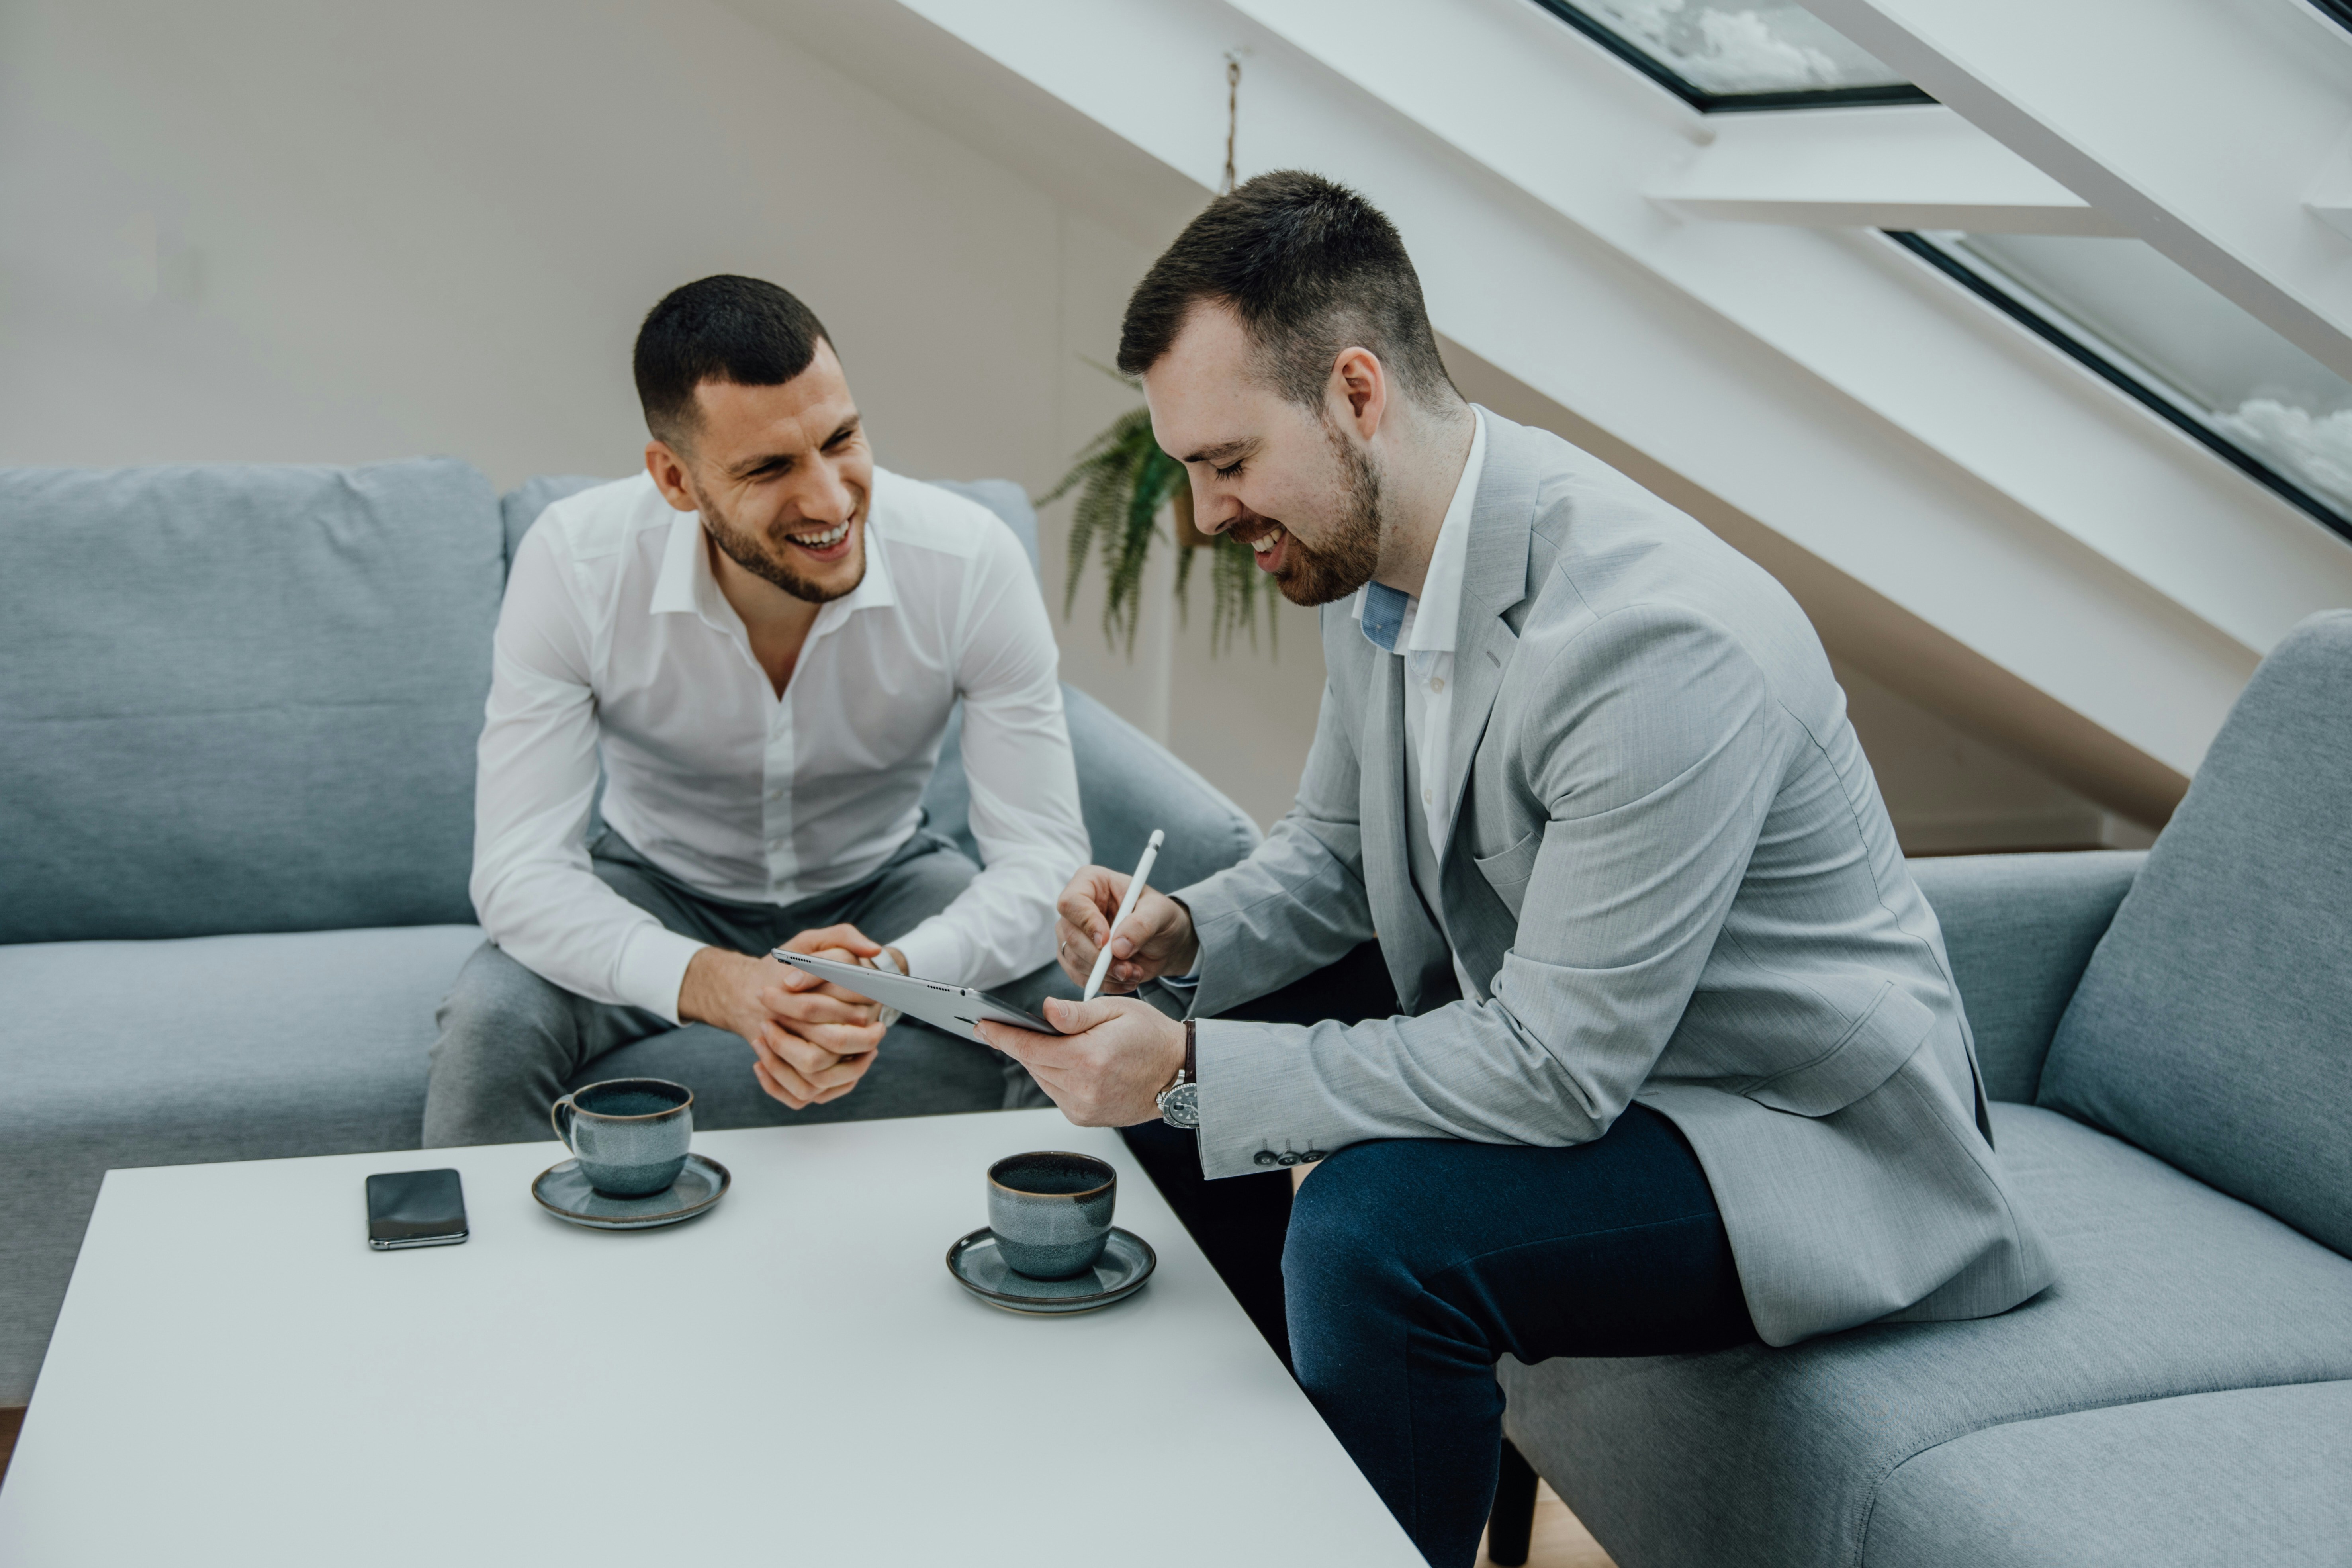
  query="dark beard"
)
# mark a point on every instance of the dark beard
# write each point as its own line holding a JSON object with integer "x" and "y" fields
{"x": 750, "y": 553}
{"x": 1345, "y": 564}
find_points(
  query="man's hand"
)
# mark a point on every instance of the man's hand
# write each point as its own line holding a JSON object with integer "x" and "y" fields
{"x": 811, "y": 1041}
{"x": 1157, "y": 939}
{"x": 1109, "y": 1069}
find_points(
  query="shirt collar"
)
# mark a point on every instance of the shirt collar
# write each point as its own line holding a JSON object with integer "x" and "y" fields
{"x": 687, "y": 585}
{"x": 1427, "y": 623}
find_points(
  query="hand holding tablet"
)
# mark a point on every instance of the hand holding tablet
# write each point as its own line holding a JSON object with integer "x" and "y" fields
{"x": 955, "y": 1008}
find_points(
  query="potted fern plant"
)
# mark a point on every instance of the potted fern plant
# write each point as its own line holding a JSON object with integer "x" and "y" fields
{"x": 1124, "y": 483}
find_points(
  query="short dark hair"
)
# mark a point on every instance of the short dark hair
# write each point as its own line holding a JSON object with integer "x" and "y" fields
{"x": 1310, "y": 267}
{"x": 740, "y": 330}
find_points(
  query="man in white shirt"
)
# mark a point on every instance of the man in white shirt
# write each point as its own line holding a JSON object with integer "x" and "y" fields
{"x": 757, "y": 645}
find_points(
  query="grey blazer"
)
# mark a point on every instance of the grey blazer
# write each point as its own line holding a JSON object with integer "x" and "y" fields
{"x": 1669, "y": 878}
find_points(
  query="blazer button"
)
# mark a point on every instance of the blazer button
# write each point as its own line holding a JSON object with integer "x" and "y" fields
{"x": 1312, "y": 1155}
{"x": 1287, "y": 1158}
{"x": 1263, "y": 1157}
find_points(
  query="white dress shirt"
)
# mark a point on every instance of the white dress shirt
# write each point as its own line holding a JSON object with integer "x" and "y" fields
{"x": 1424, "y": 639}
{"x": 615, "y": 640}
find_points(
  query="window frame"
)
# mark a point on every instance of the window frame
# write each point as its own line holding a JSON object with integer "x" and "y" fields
{"x": 1706, "y": 103}
{"x": 2115, "y": 368}
{"x": 2336, "y": 10}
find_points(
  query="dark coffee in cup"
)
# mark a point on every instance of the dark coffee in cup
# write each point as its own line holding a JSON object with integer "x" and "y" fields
{"x": 630, "y": 1135}
{"x": 1051, "y": 1211}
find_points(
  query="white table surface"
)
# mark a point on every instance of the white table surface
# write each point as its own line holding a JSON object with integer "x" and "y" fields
{"x": 237, "y": 1378}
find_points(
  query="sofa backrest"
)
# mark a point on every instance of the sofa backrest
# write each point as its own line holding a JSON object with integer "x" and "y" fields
{"x": 241, "y": 698}
{"x": 2213, "y": 1027}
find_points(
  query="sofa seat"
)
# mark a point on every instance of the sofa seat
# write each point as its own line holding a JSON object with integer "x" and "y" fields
{"x": 2251, "y": 1474}
{"x": 177, "y": 1052}
{"x": 2167, "y": 1291}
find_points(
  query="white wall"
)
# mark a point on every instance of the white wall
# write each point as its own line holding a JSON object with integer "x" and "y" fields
{"x": 291, "y": 232}
{"x": 274, "y": 231}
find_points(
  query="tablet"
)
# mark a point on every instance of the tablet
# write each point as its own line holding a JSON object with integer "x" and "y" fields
{"x": 955, "y": 1008}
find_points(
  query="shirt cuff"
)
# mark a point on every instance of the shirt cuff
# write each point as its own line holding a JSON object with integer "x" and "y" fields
{"x": 652, "y": 969}
{"x": 935, "y": 951}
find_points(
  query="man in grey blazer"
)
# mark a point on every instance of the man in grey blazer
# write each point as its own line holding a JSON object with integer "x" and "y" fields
{"x": 1678, "y": 1061}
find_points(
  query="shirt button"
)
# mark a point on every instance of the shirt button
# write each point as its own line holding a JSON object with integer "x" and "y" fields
{"x": 1427, "y": 795}
{"x": 1437, "y": 683}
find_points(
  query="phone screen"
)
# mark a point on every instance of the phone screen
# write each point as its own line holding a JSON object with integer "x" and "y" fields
{"x": 416, "y": 1208}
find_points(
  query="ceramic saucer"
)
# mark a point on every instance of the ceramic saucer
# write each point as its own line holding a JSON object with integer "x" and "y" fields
{"x": 1126, "y": 1263}
{"x": 564, "y": 1193}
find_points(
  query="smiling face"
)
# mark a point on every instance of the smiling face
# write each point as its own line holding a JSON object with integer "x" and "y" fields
{"x": 1297, "y": 485}
{"x": 782, "y": 475}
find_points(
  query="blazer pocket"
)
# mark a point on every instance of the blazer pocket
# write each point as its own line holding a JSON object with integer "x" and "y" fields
{"x": 1885, "y": 1036}
{"x": 1508, "y": 868}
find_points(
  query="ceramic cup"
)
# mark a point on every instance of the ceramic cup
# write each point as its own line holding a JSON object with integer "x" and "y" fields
{"x": 1051, "y": 1211}
{"x": 630, "y": 1135}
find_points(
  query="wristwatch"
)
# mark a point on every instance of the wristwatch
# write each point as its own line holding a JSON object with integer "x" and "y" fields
{"x": 888, "y": 966}
{"x": 1180, "y": 1102}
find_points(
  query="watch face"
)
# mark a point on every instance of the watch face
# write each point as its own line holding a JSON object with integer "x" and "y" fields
{"x": 1181, "y": 1106}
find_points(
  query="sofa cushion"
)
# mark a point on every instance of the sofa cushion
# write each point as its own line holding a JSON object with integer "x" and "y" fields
{"x": 167, "y": 1053}
{"x": 2213, "y": 1027}
{"x": 2020, "y": 929}
{"x": 2254, "y": 1474}
{"x": 240, "y": 698}
{"x": 1768, "y": 1457}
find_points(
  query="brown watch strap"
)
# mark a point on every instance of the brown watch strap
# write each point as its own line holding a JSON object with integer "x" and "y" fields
{"x": 1191, "y": 1056}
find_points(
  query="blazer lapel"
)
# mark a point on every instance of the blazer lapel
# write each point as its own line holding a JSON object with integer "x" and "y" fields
{"x": 1493, "y": 582}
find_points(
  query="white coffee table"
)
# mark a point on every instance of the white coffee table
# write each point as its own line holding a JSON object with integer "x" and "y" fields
{"x": 792, "y": 1378}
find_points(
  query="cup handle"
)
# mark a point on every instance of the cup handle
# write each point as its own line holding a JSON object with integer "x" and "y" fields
{"x": 559, "y": 1117}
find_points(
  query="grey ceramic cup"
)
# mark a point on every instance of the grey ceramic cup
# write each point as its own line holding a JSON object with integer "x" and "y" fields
{"x": 1051, "y": 1211}
{"x": 630, "y": 1135}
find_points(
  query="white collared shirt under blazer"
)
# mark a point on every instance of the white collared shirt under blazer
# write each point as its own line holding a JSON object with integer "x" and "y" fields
{"x": 1667, "y": 876}
{"x": 615, "y": 641}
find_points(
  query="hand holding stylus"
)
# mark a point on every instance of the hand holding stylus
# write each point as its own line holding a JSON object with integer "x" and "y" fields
{"x": 1116, "y": 932}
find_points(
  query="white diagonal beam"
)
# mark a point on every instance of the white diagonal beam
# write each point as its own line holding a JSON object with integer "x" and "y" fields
{"x": 2202, "y": 125}
{"x": 1918, "y": 166}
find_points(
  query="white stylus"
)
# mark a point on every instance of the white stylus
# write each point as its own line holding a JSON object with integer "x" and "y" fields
{"x": 1126, "y": 908}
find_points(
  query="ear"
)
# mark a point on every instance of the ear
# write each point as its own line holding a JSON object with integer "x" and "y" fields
{"x": 1359, "y": 392}
{"x": 668, "y": 471}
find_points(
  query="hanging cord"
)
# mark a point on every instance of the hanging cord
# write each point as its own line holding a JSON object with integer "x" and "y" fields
{"x": 1233, "y": 117}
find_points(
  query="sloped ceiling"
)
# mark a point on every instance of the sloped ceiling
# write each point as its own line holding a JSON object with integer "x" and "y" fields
{"x": 1703, "y": 301}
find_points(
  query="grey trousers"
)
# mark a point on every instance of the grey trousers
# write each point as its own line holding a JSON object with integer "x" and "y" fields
{"x": 511, "y": 1041}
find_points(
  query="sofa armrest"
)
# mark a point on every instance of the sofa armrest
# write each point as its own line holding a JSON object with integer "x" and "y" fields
{"x": 1129, "y": 784}
{"x": 2019, "y": 929}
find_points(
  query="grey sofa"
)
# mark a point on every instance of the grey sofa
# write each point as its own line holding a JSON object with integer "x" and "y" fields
{"x": 2169, "y": 1041}
{"x": 237, "y": 760}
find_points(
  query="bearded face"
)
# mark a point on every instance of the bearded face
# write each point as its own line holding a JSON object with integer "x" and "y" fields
{"x": 1347, "y": 538}
{"x": 813, "y": 562}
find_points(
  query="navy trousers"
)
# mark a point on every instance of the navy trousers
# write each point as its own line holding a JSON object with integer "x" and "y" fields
{"x": 1403, "y": 1269}
{"x": 1411, "y": 1266}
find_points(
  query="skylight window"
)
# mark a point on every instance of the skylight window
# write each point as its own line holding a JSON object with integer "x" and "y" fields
{"x": 2153, "y": 329}
{"x": 1721, "y": 55}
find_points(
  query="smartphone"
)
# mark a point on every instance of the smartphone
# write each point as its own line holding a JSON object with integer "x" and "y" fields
{"x": 416, "y": 1208}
